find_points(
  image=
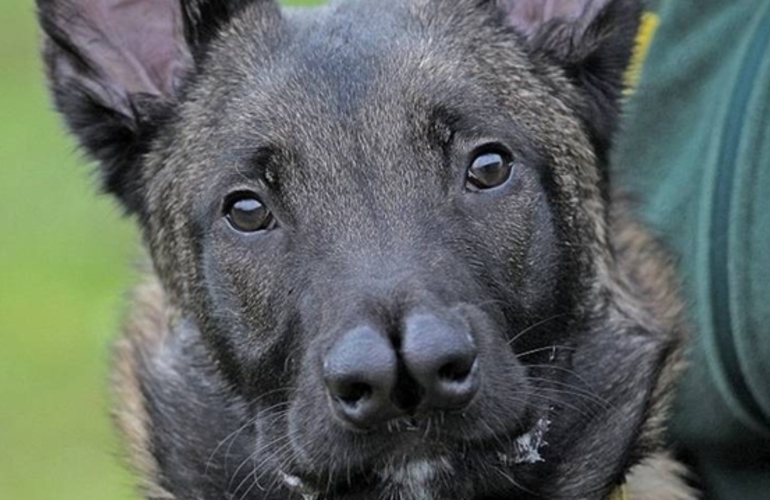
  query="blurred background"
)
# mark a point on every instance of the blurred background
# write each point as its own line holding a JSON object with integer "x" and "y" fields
{"x": 66, "y": 259}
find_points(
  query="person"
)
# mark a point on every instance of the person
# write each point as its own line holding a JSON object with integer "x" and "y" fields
{"x": 695, "y": 151}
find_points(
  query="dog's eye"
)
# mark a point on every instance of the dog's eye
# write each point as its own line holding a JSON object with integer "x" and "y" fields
{"x": 247, "y": 214}
{"x": 489, "y": 170}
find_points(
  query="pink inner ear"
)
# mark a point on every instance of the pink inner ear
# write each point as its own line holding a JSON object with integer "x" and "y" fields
{"x": 528, "y": 16}
{"x": 137, "y": 44}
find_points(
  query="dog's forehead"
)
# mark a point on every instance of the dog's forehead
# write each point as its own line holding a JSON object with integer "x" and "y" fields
{"x": 339, "y": 60}
{"x": 344, "y": 67}
{"x": 349, "y": 30}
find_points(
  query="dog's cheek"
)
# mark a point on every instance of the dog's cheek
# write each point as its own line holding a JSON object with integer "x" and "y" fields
{"x": 249, "y": 318}
{"x": 505, "y": 395}
{"x": 521, "y": 249}
{"x": 538, "y": 275}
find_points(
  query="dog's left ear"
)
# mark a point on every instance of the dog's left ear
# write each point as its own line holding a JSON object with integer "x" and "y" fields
{"x": 116, "y": 68}
{"x": 592, "y": 40}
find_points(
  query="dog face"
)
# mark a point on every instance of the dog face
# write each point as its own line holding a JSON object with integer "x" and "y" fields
{"x": 381, "y": 227}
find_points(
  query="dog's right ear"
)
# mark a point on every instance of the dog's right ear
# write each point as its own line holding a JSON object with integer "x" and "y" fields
{"x": 592, "y": 40}
{"x": 115, "y": 68}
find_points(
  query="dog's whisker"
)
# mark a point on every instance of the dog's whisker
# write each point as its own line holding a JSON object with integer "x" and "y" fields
{"x": 542, "y": 349}
{"x": 252, "y": 456}
{"x": 511, "y": 480}
{"x": 254, "y": 482}
{"x": 578, "y": 391}
{"x": 535, "y": 326}
{"x": 233, "y": 435}
{"x": 590, "y": 401}
{"x": 427, "y": 428}
{"x": 272, "y": 457}
{"x": 584, "y": 412}
{"x": 245, "y": 479}
{"x": 263, "y": 420}
{"x": 264, "y": 395}
{"x": 280, "y": 477}
{"x": 563, "y": 369}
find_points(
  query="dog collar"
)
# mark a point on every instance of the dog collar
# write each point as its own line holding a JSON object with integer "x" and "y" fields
{"x": 620, "y": 493}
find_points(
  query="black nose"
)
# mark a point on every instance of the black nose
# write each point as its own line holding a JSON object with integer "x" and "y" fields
{"x": 442, "y": 358}
{"x": 360, "y": 373}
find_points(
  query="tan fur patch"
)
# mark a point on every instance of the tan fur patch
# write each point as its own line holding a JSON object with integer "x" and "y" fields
{"x": 145, "y": 329}
{"x": 647, "y": 289}
{"x": 659, "y": 478}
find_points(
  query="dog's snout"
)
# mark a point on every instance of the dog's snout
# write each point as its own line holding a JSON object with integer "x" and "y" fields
{"x": 371, "y": 378}
{"x": 360, "y": 374}
{"x": 442, "y": 357}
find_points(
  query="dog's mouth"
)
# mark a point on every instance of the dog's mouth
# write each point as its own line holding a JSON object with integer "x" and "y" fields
{"x": 423, "y": 468}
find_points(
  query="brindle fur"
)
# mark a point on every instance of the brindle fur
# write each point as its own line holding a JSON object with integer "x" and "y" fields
{"x": 347, "y": 115}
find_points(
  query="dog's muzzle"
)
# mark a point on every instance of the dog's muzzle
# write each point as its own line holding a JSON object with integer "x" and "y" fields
{"x": 370, "y": 378}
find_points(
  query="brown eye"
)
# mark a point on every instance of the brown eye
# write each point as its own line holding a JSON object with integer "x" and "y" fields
{"x": 248, "y": 215}
{"x": 489, "y": 170}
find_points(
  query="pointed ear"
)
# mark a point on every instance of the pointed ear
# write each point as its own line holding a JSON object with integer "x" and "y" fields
{"x": 204, "y": 18}
{"x": 115, "y": 67}
{"x": 592, "y": 40}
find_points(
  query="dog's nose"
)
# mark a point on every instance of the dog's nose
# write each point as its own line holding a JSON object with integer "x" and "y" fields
{"x": 442, "y": 358}
{"x": 360, "y": 374}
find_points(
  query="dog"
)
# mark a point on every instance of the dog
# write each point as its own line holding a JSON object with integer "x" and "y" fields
{"x": 387, "y": 258}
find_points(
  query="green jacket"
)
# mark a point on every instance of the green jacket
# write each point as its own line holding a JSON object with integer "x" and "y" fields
{"x": 696, "y": 150}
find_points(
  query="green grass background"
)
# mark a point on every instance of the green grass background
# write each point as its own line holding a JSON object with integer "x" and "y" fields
{"x": 65, "y": 267}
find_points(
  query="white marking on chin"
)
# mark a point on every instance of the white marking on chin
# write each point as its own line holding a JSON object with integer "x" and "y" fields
{"x": 413, "y": 479}
{"x": 295, "y": 484}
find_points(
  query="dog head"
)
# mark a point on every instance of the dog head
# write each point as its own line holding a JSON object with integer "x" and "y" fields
{"x": 386, "y": 220}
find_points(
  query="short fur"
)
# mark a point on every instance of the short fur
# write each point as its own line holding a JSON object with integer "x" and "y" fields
{"x": 355, "y": 123}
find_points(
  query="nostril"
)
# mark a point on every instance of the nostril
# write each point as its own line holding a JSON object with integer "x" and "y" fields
{"x": 456, "y": 371}
{"x": 354, "y": 393}
{"x": 442, "y": 357}
{"x": 360, "y": 372}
